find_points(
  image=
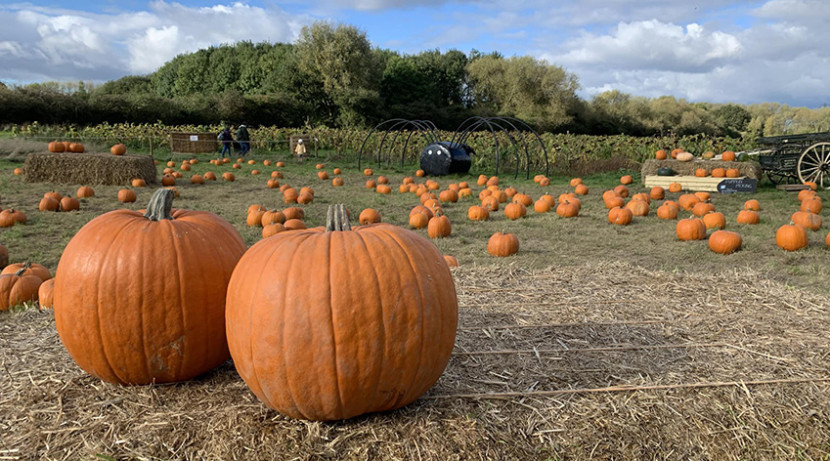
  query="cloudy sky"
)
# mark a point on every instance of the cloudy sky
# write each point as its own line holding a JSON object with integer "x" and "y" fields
{"x": 748, "y": 51}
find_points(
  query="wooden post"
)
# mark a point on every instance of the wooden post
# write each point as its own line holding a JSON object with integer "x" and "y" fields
{"x": 151, "y": 146}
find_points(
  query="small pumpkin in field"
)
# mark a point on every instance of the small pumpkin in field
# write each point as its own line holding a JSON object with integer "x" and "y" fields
{"x": 791, "y": 237}
{"x": 337, "y": 182}
{"x": 627, "y": 179}
{"x": 9, "y": 217}
{"x": 18, "y": 287}
{"x": 714, "y": 220}
{"x": 48, "y": 204}
{"x": 439, "y": 226}
{"x": 503, "y": 244}
{"x": 4, "y": 257}
{"x": 809, "y": 220}
{"x": 294, "y": 213}
{"x": 101, "y": 314}
{"x": 45, "y": 294}
{"x": 675, "y": 187}
{"x": 70, "y": 204}
{"x": 690, "y": 229}
{"x": 620, "y": 216}
{"x": 811, "y": 204}
{"x": 725, "y": 242}
{"x": 451, "y": 261}
{"x": 138, "y": 182}
{"x": 638, "y": 207}
{"x": 479, "y": 213}
{"x": 368, "y": 172}
{"x": 622, "y": 191}
{"x": 369, "y": 216}
{"x": 566, "y": 209}
{"x": 85, "y": 192}
{"x": 118, "y": 149}
{"x": 514, "y": 211}
{"x": 228, "y": 176}
{"x": 702, "y": 208}
{"x": 657, "y": 193}
{"x": 126, "y": 196}
{"x": 666, "y": 211}
{"x": 418, "y": 220}
{"x": 359, "y": 334}
{"x": 748, "y": 217}
{"x": 542, "y": 206}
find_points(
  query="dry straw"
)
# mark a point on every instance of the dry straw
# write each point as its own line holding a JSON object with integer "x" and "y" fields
{"x": 748, "y": 169}
{"x": 88, "y": 168}
{"x": 605, "y": 361}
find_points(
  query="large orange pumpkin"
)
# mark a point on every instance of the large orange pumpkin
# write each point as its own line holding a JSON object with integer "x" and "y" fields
{"x": 725, "y": 242}
{"x": 370, "y": 327}
{"x": 691, "y": 229}
{"x": 136, "y": 301}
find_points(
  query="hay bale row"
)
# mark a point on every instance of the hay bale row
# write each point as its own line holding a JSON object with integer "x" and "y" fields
{"x": 88, "y": 168}
{"x": 194, "y": 143}
{"x": 748, "y": 169}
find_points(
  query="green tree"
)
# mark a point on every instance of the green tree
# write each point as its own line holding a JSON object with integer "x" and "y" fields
{"x": 342, "y": 58}
{"x": 523, "y": 87}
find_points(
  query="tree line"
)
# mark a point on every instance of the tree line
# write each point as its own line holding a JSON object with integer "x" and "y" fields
{"x": 333, "y": 76}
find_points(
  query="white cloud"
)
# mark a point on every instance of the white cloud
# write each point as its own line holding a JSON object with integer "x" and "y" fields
{"x": 39, "y": 44}
{"x": 652, "y": 45}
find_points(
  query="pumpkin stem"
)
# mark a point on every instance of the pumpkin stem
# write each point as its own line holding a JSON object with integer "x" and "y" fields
{"x": 23, "y": 269}
{"x": 160, "y": 206}
{"x": 337, "y": 218}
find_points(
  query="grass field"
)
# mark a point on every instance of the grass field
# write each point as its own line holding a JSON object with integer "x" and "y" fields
{"x": 583, "y": 308}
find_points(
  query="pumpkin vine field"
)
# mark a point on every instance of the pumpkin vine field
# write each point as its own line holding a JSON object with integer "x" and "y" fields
{"x": 595, "y": 317}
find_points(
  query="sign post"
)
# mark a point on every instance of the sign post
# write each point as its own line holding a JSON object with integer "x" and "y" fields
{"x": 730, "y": 186}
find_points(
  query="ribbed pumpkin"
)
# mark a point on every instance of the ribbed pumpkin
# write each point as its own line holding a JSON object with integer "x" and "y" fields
{"x": 714, "y": 220}
{"x": 657, "y": 193}
{"x": 439, "y": 226}
{"x": 137, "y": 301}
{"x": 725, "y": 242}
{"x": 503, "y": 244}
{"x": 369, "y": 216}
{"x": 566, "y": 209}
{"x": 748, "y": 217}
{"x": 620, "y": 216}
{"x": 370, "y": 328}
{"x": 479, "y": 213}
{"x": 85, "y": 192}
{"x": 691, "y": 229}
{"x": 791, "y": 237}
{"x": 46, "y": 294}
{"x": 18, "y": 286}
{"x": 638, "y": 207}
{"x": 666, "y": 211}
{"x": 811, "y": 204}
{"x": 809, "y": 220}
{"x": 515, "y": 210}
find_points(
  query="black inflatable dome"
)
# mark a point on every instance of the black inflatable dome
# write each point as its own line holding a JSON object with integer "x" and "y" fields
{"x": 441, "y": 158}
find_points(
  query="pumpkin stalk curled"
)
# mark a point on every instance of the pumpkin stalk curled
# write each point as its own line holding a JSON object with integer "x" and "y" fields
{"x": 337, "y": 218}
{"x": 161, "y": 205}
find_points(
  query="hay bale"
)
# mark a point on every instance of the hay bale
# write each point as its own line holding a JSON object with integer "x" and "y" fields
{"x": 748, "y": 169}
{"x": 88, "y": 168}
{"x": 194, "y": 143}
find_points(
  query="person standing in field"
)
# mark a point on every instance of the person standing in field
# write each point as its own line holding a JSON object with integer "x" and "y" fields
{"x": 227, "y": 141}
{"x": 244, "y": 140}
{"x": 300, "y": 150}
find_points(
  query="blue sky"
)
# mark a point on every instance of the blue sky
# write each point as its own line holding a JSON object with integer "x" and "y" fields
{"x": 748, "y": 51}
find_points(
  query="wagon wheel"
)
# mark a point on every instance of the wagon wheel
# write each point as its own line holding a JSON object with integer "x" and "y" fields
{"x": 814, "y": 164}
{"x": 778, "y": 177}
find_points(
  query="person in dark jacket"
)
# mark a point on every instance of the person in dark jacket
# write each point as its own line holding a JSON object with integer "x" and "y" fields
{"x": 244, "y": 140}
{"x": 227, "y": 141}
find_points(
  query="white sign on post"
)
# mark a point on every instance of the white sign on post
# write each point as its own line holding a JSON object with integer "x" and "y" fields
{"x": 194, "y": 137}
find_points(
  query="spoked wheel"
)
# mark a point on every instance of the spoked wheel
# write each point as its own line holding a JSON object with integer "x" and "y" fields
{"x": 776, "y": 178}
{"x": 814, "y": 164}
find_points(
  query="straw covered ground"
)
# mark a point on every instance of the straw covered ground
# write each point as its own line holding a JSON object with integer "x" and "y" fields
{"x": 603, "y": 360}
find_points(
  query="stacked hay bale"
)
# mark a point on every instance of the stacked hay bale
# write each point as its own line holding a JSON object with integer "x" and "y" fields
{"x": 748, "y": 169}
{"x": 88, "y": 168}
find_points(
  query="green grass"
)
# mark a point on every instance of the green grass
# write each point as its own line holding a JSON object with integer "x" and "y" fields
{"x": 546, "y": 239}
